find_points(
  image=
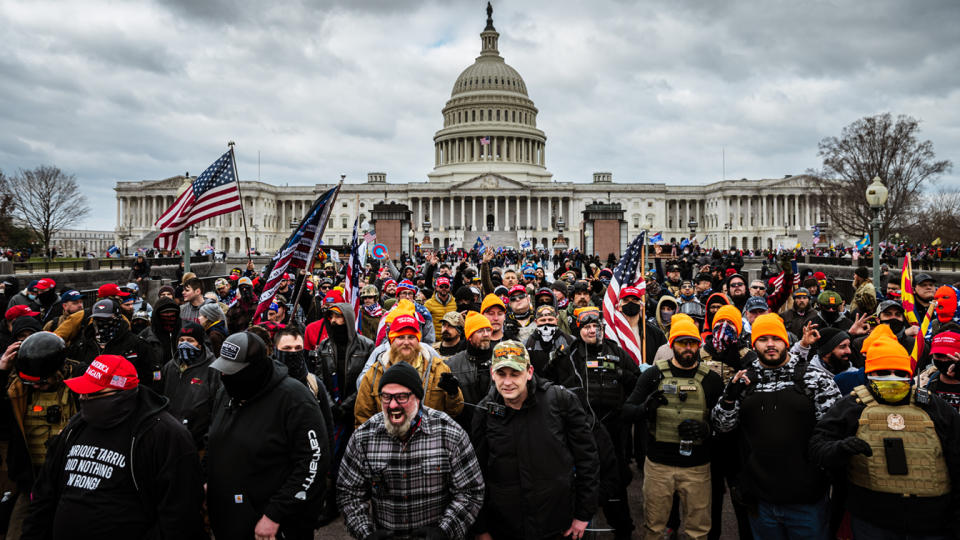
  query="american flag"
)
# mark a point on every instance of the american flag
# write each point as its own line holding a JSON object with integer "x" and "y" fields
{"x": 628, "y": 273}
{"x": 484, "y": 140}
{"x": 354, "y": 272}
{"x": 370, "y": 237}
{"x": 295, "y": 253}
{"x": 213, "y": 193}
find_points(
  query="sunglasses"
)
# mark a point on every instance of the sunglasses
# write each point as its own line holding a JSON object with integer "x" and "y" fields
{"x": 758, "y": 287}
{"x": 517, "y": 297}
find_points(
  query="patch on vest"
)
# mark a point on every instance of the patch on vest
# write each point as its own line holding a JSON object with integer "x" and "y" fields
{"x": 896, "y": 422}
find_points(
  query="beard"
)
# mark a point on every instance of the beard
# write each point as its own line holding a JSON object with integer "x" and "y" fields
{"x": 773, "y": 363}
{"x": 398, "y": 430}
{"x": 449, "y": 335}
{"x": 686, "y": 359}
{"x": 400, "y": 353}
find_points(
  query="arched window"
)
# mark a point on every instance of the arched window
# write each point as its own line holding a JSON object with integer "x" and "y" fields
{"x": 498, "y": 115}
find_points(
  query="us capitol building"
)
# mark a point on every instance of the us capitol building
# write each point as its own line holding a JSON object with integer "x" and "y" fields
{"x": 490, "y": 179}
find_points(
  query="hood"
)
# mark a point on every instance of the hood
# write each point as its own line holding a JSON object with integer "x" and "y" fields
{"x": 665, "y": 298}
{"x": 351, "y": 320}
{"x": 717, "y": 296}
{"x": 164, "y": 304}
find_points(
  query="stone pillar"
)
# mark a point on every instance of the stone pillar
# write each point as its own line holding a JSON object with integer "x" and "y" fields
{"x": 496, "y": 213}
{"x": 529, "y": 217}
{"x": 473, "y": 213}
{"x": 796, "y": 211}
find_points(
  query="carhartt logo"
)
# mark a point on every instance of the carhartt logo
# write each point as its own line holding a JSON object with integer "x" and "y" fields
{"x": 229, "y": 351}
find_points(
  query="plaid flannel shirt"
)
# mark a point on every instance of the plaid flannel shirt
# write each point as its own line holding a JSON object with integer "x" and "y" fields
{"x": 432, "y": 479}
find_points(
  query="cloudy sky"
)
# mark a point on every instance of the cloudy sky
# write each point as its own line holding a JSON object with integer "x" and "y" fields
{"x": 652, "y": 91}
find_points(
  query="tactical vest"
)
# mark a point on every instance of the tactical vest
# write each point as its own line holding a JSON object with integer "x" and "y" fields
{"x": 685, "y": 401}
{"x": 604, "y": 389}
{"x": 47, "y": 414}
{"x": 927, "y": 474}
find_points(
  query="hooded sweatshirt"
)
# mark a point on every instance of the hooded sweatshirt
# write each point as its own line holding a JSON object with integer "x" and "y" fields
{"x": 664, "y": 325}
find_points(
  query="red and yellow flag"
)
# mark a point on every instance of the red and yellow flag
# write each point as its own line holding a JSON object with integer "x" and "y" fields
{"x": 906, "y": 291}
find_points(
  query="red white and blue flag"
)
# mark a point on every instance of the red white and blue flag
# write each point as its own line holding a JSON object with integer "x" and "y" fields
{"x": 628, "y": 273}
{"x": 295, "y": 253}
{"x": 213, "y": 193}
{"x": 354, "y": 273}
{"x": 484, "y": 140}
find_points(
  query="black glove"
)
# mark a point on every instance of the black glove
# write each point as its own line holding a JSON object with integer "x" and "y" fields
{"x": 653, "y": 401}
{"x": 379, "y": 534}
{"x": 734, "y": 390}
{"x": 693, "y": 430}
{"x": 338, "y": 412}
{"x": 449, "y": 384}
{"x": 854, "y": 445}
{"x": 430, "y": 533}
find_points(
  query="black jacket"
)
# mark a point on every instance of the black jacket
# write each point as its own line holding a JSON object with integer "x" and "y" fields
{"x": 163, "y": 463}
{"x": 907, "y": 515}
{"x": 266, "y": 456}
{"x": 128, "y": 345}
{"x": 570, "y": 370}
{"x": 191, "y": 391}
{"x": 164, "y": 343}
{"x": 356, "y": 353}
{"x": 542, "y": 354}
{"x": 540, "y": 464}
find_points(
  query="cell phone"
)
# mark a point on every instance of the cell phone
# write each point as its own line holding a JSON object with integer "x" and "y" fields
{"x": 895, "y": 455}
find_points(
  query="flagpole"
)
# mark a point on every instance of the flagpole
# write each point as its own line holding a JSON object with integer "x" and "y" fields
{"x": 643, "y": 305}
{"x": 243, "y": 217}
{"x": 313, "y": 248}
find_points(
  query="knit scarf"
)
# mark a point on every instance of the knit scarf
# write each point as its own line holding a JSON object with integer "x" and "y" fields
{"x": 374, "y": 310}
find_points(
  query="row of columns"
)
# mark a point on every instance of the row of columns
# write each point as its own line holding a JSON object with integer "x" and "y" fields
{"x": 499, "y": 148}
{"x": 796, "y": 211}
{"x": 531, "y": 212}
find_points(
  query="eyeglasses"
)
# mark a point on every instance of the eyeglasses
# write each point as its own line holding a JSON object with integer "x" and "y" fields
{"x": 518, "y": 296}
{"x": 400, "y": 397}
{"x": 757, "y": 287}
{"x": 443, "y": 286}
{"x": 737, "y": 285}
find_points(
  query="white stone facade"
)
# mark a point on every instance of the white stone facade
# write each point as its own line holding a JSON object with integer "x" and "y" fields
{"x": 490, "y": 179}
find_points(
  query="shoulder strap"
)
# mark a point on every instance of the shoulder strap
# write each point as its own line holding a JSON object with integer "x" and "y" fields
{"x": 702, "y": 371}
{"x": 662, "y": 365}
{"x": 864, "y": 395}
{"x": 312, "y": 383}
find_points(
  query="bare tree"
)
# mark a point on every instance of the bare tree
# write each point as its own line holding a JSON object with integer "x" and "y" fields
{"x": 47, "y": 201}
{"x": 938, "y": 218}
{"x": 876, "y": 146}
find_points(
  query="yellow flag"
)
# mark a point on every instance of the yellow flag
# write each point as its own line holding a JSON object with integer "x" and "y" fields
{"x": 936, "y": 242}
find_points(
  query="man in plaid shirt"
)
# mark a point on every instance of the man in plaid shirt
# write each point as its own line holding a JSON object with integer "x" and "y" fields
{"x": 409, "y": 470}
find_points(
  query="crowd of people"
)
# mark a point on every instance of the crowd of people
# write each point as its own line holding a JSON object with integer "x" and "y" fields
{"x": 480, "y": 395}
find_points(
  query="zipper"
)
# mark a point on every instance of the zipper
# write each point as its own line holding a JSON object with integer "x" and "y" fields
{"x": 133, "y": 474}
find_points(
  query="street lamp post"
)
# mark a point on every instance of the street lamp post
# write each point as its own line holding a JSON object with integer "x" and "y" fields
{"x": 877, "y": 198}
{"x": 692, "y": 224}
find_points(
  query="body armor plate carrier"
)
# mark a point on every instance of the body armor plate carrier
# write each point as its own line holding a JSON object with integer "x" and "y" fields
{"x": 685, "y": 401}
{"x": 926, "y": 468}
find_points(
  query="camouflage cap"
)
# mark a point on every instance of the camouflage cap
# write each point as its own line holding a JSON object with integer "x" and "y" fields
{"x": 453, "y": 319}
{"x": 511, "y": 354}
{"x": 830, "y": 298}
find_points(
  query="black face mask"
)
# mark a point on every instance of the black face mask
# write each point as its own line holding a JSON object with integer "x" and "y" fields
{"x": 896, "y": 326}
{"x": 630, "y": 309}
{"x": 831, "y": 316}
{"x": 107, "y": 329}
{"x": 246, "y": 293}
{"x": 187, "y": 353}
{"x": 139, "y": 326}
{"x": 337, "y": 332}
{"x": 245, "y": 383}
{"x": 296, "y": 362}
{"x": 109, "y": 411}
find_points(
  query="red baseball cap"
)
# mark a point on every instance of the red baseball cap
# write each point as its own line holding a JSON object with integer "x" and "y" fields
{"x": 286, "y": 276}
{"x": 110, "y": 289}
{"x": 630, "y": 291}
{"x": 945, "y": 343}
{"x": 46, "y": 284}
{"x": 517, "y": 289}
{"x": 333, "y": 297}
{"x": 309, "y": 285}
{"x": 20, "y": 311}
{"x": 819, "y": 275}
{"x": 443, "y": 280}
{"x": 106, "y": 371}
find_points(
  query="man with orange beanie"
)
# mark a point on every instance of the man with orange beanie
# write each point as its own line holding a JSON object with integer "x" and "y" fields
{"x": 898, "y": 449}
{"x": 676, "y": 397}
{"x": 776, "y": 403}
{"x": 471, "y": 366}
{"x": 442, "y": 390}
{"x": 495, "y": 311}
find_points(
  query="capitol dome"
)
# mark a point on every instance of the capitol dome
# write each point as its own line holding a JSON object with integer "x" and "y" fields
{"x": 489, "y": 122}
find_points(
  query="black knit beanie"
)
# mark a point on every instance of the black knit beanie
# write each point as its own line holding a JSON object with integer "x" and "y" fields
{"x": 829, "y": 339}
{"x": 405, "y": 375}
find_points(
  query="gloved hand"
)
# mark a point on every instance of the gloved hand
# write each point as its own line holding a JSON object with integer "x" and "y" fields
{"x": 785, "y": 264}
{"x": 449, "y": 383}
{"x": 734, "y": 390}
{"x": 653, "y": 401}
{"x": 693, "y": 430}
{"x": 854, "y": 445}
{"x": 430, "y": 533}
{"x": 379, "y": 534}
